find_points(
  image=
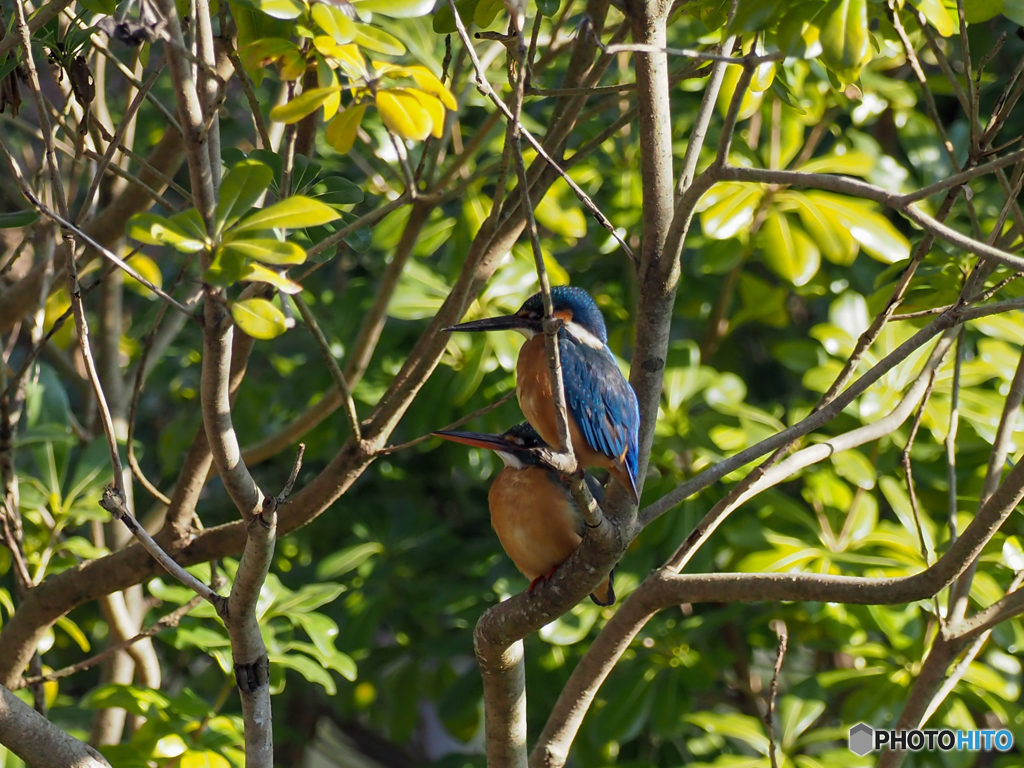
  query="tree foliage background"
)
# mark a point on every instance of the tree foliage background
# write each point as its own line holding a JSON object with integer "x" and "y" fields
{"x": 368, "y": 610}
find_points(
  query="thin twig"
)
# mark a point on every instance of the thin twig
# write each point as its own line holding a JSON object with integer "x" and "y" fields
{"x": 254, "y": 103}
{"x": 779, "y": 627}
{"x": 332, "y": 365}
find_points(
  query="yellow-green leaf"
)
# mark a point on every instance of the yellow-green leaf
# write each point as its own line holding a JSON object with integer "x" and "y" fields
{"x": 875, "y": 233}
{"x": 728, "y": 208}
{"x": 396, "y": 9}
{"x": 240, "y": 190}
{"x": 334, "y": 22}
{"x": 788, "y": 251}
{"x": 938, "y": 16}
{"x": 341, "y": 132}
{"x": 259, "y": 318}
{"x": 403, "y": 113}
{"x": 850, "y": 163}
{"x": 266, "y": 50}
{"x": 257, "y": 273}
{"x": 152, "y": 229}
{"x": 348, "y": 56}
{"x": 327, "y": 78}
{"x": 268, "y": 251}
{"x": 74, "y": 632}
{"x": 374, "y": 39}
{"x": 434, "y": 108}
{"x": 148, "y": 268}
{"x": 293, "y": 212}
{"x": 834, "y": 240}
{"x": 302, "y": 105}
{"x": 845, "y": 39}
{"x": 430, "y": 83}
{"x": 280, "y": 9}
{"x": 486, "y": 12}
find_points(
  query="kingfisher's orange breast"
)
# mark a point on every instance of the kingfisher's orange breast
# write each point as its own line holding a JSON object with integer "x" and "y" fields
{"x": 534, "y": 518}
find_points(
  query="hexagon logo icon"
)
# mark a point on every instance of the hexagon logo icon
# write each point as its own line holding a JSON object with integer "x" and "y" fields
{"x": 862, "y": 738}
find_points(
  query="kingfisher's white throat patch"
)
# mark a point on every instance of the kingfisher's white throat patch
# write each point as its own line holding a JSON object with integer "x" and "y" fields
{"x": 583, "y": 336}
{"x": 510, "y": 460}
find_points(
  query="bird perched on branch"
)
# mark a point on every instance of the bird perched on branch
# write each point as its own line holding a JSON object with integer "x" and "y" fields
{"x": 532, "y": 508}
{"x": 603, "y": 414}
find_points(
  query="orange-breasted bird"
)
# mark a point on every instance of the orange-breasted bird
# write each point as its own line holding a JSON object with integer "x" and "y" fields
{"x": 532, "y": 508}
{"x": 604, "y": 416}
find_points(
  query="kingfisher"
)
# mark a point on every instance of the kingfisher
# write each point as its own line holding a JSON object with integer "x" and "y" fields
{"x": 532, "y": 508}
{"x": 604, "y": 416}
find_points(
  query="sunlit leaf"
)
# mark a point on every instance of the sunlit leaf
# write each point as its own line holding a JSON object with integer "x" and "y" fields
{"x": 728, "y": 208}
{"x": 293, "y": 212}
{"x": 334, "y": 22}
{"x": 430, "y": 83}
{"x": 832, "y": 237}
{"x": 152, "y": 229}
{"x": 434, "y": 108}
{"x": 845, "y": 37}
{"x": 239, "y": 191}
{"x": 148, "y": 268}
{"x": 278, "y": 252}
{"x": 788, "y": 251}
{"x": 302, "y": 105}
{"x": 259, "y": 318}
{"x": 875, "y": 233}
{"x": 257, "y": 273}
{"x": 341, "y": 132}
{"x": 937, "y": 15}
{"x": 403, "y": 113}
{"x": 328, "y": 78}
{"x": 374, "y": 39}
{"x": 280, "y": 9}
{"x": 395, "y": 9}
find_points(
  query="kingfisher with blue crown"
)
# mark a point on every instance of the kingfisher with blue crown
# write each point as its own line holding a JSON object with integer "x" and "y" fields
{"x": 532, "y": 508}
{"x": 604, "y": 416}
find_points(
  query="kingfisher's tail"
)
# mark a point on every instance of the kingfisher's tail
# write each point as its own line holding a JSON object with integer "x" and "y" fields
{"x": 604, "y": 594}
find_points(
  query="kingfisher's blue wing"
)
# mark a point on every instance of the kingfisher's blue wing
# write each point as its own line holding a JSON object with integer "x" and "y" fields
{"x": 601, "y": 401}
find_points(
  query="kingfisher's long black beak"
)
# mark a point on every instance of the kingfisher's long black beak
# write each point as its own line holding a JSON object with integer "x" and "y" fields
{"x": 500, "y": 323}
{"x": 476, "y": 439}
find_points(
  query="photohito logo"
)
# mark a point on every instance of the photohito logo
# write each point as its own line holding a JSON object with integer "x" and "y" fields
{"x": 864, "y": 739}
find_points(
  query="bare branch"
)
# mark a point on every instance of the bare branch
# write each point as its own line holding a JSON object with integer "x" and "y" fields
{"x": 37, "y": 741}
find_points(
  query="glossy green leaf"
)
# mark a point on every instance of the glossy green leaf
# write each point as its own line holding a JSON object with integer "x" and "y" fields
{"x": 257, "y": 273}
{"x": 341, "y": 132}
{"x": 938, "y": 16}
{"x": 239, "y": 191}
{"x": 854, "y": 466}
{"x": 347, "y": 559}
{"x": 395, "y": 9}
{"x": 845, "y": 37}
{"x": 18, "y": 219}
{"x": 486, "y": 12}
{"x": 404, "y": 114}
{"x": 152, "y": 229}
{"x": 828, "y": 231}
{"x": 278, "y": 252}
{"x": 259, "y": 318}
{"x": 443, "y": 22}
{"x": 308, "y": 668}
{"x": 374, "y": 39}
{"x": 280, "y": 9}
{"x": 728, "y": 209}
{"x": 875, "y": 233}
{"x": 334, "y": 22}
{"x": 788, "y": 251}
{"x": 293, "y": 212}
{"x": 148, "y": 268}
{"x": 302, "y": 105}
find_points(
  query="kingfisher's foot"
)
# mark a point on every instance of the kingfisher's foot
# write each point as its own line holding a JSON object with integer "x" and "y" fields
{"x": 539, "y": 579}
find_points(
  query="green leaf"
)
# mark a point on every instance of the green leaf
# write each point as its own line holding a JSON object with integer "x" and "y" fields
{"x": 307, "y": 599}
{"x": 845, "y": 37}
{"x": 306, "y": 667}
{"x": 334, "y": 22}
{"x": 136, "y": 700}
{"x": 443, "y": 22}
{"x": 875, "y": 233}
{"x": 403, "y": 113}
{"x": 74, "y": 632}
{"x": 834, "y": 240}
{"x": 849, "y": 162}
{"x": 742, "y": 728}
{"x": 302, "y": 105}
{"x": 226, "y": 268}
{"x": 148, "y": 268}
{"x": 938, "y": 16}
{"x": 486, "y": 12}
{"x": 341, "y": 132}
{"x": 152, "y": 229}
{"x": 1013, "y": 554}
{"x": 257, "y": 273}
{"x": 277, "y": 252}
{"x": 395, "y": 9}
{"x": 17, "y": 219}
{"x": 728, "y": 208}
{"x": 259, "y": 318}
{"x": 788, "y": 251}
{"x": 337, "y": 190}
{"x": 547, "y": 7}
{"x": 321, "y": 630}
{"x": 853, "y": 466}
{"x": 293, "y": 212}
{"x": 798, "y": 35}
{"x": 374, "y": 39}
{"x": 1012, "y": 9}
{"x": 280, "y": 9}
{"x": 240, "y": 190}
{"x": 348, "y": 559}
